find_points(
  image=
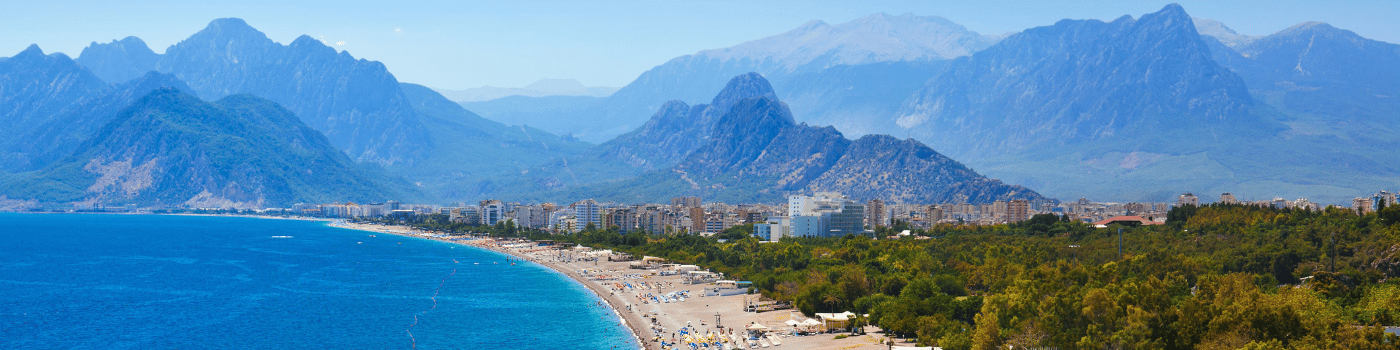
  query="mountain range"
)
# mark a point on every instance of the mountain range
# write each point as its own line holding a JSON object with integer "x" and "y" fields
{"x": 169, "y": 148}
{"x": 53, "y": 103}
{"x": 1133, "y": 109}
{"x": 833, "y": 75}
{"x": 745, "y": 146}
{"x": 1142, "y": 109}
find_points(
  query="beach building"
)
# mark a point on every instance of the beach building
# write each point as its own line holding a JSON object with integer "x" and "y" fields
{"x": 1018, "y": 210}
{"x": 875, "y": 213}
{"x": 563, "y": 221}
{"x": 688, "y": 202}
{"x": 1187, "y": 199}
{"x": 1228, "y": 198}
{"x": 774, "y": 228}
{"x": 695, "y": 216}
{"x": 531, "y": 216}
{"x": 1383, "y": 199}
{"x": 727, "y": 288}
{"x": 826, "y": 214}
{"x": 492, "y": 211}
{"x": 587, "y": 212}
{"x": 467, "y": 215}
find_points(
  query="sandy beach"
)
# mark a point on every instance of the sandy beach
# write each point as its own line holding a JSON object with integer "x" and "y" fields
{"x": 630, "y": 292}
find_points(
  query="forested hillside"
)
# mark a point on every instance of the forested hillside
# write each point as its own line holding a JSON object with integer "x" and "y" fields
{"x": 1215, "y": 277}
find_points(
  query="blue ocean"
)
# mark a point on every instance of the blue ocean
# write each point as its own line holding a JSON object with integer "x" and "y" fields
{"x": 72, "y": 281}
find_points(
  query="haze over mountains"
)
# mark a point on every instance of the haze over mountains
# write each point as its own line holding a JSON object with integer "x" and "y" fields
{"x": 1133, "y": 109}
{"x": 540, "y": 88}
{"x": 832, "y": 74}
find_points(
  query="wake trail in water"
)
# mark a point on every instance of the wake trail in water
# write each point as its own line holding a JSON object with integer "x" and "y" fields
{"x": 434, "y": 298}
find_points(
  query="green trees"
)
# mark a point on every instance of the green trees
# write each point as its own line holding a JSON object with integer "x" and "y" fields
{"x": 1216, "y": 277}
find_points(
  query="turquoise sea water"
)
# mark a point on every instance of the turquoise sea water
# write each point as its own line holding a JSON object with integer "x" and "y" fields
{"x": 165, "y": 282}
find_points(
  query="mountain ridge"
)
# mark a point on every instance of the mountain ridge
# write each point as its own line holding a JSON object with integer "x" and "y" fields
{"x": 172, "y": 149}
{"x": 757, "y": 152}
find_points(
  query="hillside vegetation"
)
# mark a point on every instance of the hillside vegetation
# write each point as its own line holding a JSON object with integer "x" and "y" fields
{"x": 1214, "y": 277}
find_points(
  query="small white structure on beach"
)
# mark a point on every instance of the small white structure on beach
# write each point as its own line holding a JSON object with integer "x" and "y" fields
{"x": 727, "y": 288}
{"x": 699, "y": 277}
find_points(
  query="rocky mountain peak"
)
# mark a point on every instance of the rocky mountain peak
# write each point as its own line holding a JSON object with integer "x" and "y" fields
{"x": 223, "y": 39}
{"x": 1075, "y": 82}
{"x": 309, "y": 45}
{"x": 810, "y": 26}
{"x": 119, "y": 60}
{"x": 878, "y": 37}
{"x": 742, "y": 87}
{"x": 31, "y": 53}
{"x": 1218, "y": 30}
{"x": 230, "y": 28}
{"x": 1170, "y": 19}
{"x": 1308, "y": 26}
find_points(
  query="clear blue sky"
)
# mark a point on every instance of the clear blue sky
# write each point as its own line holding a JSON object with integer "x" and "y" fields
{"x": 461, "y": 44}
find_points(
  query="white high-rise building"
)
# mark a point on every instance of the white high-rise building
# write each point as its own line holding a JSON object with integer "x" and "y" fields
{"x": 492, "y": 212}
{"x": 588, "y": 212}
{"x": 826, "y": 214}
{"x": 1187, "y": 199}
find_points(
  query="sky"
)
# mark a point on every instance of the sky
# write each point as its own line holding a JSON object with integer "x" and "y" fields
{"x": 465, "y": 44}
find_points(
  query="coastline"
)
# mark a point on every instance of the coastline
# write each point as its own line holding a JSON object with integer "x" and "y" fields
{"x": 627, "y": 318}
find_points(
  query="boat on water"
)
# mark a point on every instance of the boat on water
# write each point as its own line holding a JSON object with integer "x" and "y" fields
{"x": 281, "y": 236}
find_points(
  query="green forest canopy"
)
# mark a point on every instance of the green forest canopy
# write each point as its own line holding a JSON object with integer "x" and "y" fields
{"x": 1214, "y": 277}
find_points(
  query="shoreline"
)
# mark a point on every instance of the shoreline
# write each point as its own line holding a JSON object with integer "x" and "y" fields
{"x": 625, "y": 317}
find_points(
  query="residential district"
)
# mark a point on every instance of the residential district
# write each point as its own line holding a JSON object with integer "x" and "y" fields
{"x": 824, "y": 214}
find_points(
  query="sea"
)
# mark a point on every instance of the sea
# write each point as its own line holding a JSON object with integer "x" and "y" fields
{"x": 101, "y": 281}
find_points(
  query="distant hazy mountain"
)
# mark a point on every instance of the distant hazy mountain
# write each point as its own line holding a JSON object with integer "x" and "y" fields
{"x": 756, "y": 152}
{"x": 172, "y": 149}
{"x": 34, "y": 88}
{"x": 851, "y": 75}
{"x": 541, "y": 88}
{"x": 678, "y": 129}
{"x": 62, "y": 134}
{"x": 355, "y": 102}
{"x": 472, "y": 156}
{"x": 1219, "y": 31}
{"x": 1143, "y": 109}
{"x": 1077, "y": 82}
{"x": 450, "y": 153}
{"x": 120, "y": 60}
{"x": 1316, "y": 69}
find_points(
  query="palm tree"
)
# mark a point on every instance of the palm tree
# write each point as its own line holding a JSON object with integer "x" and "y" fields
{"x": 833, "y": 300}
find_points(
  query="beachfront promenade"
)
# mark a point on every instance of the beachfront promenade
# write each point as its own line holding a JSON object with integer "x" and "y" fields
{"x": 637, "y": 296}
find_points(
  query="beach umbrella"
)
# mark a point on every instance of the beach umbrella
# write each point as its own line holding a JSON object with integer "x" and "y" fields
{"x": 811, "y": 322}
{"x": 793, "y": 322}
{"x": 757, "y": 327}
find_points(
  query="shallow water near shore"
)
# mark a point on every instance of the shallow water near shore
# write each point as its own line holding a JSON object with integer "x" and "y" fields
{"x": 145, "y": 281}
